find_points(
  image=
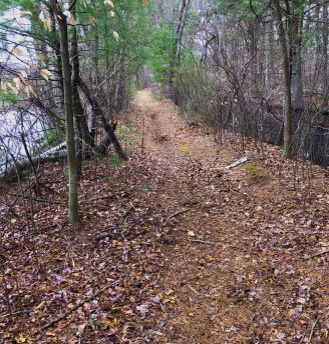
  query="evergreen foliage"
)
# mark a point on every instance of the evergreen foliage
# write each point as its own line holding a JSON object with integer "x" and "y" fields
{"x": 161, "y": 52}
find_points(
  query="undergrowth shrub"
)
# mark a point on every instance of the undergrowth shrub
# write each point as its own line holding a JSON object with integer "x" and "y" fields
{"x": 199, "y": 93}
{"x": 254, "y": 172}
{"x": 114, "y": 161}
{"x": 53, "y": 137}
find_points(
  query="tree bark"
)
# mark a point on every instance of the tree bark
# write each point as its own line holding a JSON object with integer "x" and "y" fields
{"x": 325, "y": 34}
{"x": 295, "y": 35}
{"x": 180, "y": 30}
{"x": 84, "y": 142}
{"x": 178, "y": 46}
{"x": 108, "y": 127}
{"x": 287, "y": 120}
{"x": 73, "y": 212}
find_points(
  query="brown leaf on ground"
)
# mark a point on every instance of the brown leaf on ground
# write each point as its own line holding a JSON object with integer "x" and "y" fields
{"x": 172, "y": 247}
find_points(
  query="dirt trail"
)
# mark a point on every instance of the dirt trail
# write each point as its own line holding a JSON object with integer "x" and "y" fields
{"x": 236, "y": 244}
{"x": 172, "y": 247}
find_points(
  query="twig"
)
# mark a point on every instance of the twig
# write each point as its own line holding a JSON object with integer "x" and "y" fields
{"x": 98, "y": 199}
{"x": 177, "y": 213}
{"x": 102, "y": 236}
{"x": 123, "y": 236}
{"x": 156, "y": 281}
{"x": 34, "y": 169}
{"x": 128, "y": 211}
{"x": 319, "y": 253}
{"x": 63, "y": 316}
{"x": 109, "y": 229}
{"x": 312, "y": 331}
{"x": 107, "y": 232}
{"x": 194, "y": 291}
{"x": 14, "y": 313}
{"x": 37, "y": 199}
{"x": 6, "y": 295}
{"x": 46, "y": 227}
{"x": 204, "y": 242}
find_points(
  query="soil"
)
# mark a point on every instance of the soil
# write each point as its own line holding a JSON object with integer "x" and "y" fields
{"x": 173, "y": 246}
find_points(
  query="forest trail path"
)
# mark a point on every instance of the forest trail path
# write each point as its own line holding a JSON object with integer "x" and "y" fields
{"x": 172, "y": 247}
{"x": 234, "y": 241}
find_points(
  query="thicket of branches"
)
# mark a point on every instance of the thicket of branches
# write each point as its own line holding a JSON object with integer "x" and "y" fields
{"x": 106, "y": 46}
{"x": 67, "y": 70}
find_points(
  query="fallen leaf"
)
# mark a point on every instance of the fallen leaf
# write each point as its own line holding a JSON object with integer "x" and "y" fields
{"x": 50, "y": 334}
{"x": 143, "y": 308}
{"x": 156, "y": 299}
{"x": 21, "y": 338}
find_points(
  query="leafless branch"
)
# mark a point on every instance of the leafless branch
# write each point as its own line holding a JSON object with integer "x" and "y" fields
{"x": 63, "y": 316}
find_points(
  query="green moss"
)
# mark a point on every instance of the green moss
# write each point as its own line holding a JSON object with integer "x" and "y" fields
{"x": 114, "y": 161}
{"x": 53, "y": 137}
{"x": 157, "y": 96}
{"x": 143, "y": 188}
{"x": 254, "y": 172}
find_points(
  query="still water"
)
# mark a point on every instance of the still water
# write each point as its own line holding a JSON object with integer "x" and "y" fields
{"x": 12, "y": 125}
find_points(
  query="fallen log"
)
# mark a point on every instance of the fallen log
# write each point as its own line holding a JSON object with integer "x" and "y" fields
{"x": 238, "y": 162}
{"x": 53, "y": 154}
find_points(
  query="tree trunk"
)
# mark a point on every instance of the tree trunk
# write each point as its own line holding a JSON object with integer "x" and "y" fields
{"x": 84, "y": 140}
{"x": 180, "y": 30}
{"x": 108, "y": 127}
{"x": 178, "y": 46}
{"x": 73, "y": 214}
{"x": 325, "y": 34}
{"x": 295, "y": 41}
{"x": 287, "y": 131}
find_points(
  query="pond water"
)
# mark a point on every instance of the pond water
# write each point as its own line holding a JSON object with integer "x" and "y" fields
{"x": 12, "y": 125}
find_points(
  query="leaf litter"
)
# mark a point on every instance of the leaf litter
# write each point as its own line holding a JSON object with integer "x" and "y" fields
{"x": 172, "y": 247}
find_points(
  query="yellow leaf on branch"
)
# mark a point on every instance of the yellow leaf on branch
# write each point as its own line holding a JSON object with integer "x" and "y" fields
{"x": 4, "y": 86}
{"x": 17, "y": 51}
{"x": 13, "y": 88}
{"x": 22, "y": 74}
{"x": 29, "y": 91}
{"x": 109, "y": 3}
{"x": 42, "y": 17}
{"x": 48, "y": 24}
{"x": 72, "y": 21}
{"x": 67, "y": 14}
{"x": 41, "y": 59}
{"x": 18, "y": 83}
{"x": 45, "y": 73}
{"x": 116, "y": 36}
{"x": 92, "y": 21}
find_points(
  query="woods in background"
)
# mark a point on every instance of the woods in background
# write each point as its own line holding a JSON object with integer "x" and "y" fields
{"x": 259, "y": 68}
